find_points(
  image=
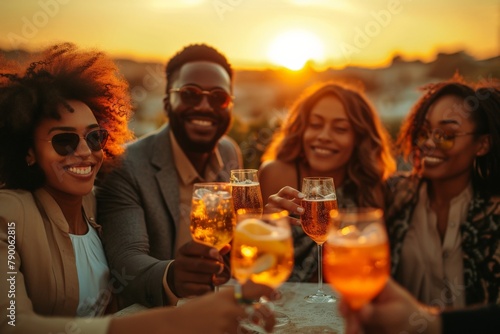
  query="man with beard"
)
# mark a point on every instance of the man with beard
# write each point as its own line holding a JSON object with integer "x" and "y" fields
{"x": 144, "y": 205}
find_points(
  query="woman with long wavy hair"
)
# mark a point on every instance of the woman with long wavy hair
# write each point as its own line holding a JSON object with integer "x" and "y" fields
{"x": 331, "y": 130}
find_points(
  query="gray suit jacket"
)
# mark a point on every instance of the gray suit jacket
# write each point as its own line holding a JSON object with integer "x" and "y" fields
{"x": 138, "y": 207}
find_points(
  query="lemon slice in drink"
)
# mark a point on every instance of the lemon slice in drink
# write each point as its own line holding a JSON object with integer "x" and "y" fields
{"x": 265, "y": 238}
{"x": 263, "y": 263}
{"x": 254, "y": 227}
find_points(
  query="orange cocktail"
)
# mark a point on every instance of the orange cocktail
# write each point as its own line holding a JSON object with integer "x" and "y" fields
{"x": 262, "y": 249}
{"x": 356, "y": 260}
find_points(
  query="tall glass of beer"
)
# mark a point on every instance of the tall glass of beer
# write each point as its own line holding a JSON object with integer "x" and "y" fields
{"x": 246, "y": 190}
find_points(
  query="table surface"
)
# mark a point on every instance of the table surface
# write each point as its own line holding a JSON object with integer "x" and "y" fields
{"x": 305, "y": 318}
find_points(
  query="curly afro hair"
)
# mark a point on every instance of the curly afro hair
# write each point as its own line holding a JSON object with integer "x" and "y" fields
{"x": 28, "y": 95}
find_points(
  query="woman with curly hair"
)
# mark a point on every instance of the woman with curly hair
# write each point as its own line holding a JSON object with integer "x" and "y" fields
{"x": 444, "y": 218}
{"x": 62, "y": 119}
{"x": 331, "y": 130}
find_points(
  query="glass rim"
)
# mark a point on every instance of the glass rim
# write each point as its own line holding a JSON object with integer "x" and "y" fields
{"x": 211, "y": 184}
{"x": 243, "y": 170}
{"x": 278, "y": 213}
{"x": 314, "y": 178}
{"x": 357, "y": 214}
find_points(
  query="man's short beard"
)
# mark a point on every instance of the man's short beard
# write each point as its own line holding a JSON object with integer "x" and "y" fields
{"x": 177, "y": 126}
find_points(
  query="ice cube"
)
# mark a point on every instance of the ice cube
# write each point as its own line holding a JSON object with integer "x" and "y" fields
{"x": 199, "y": 193}
{"x": 223, "y": 194}
{"x": 211, "y": 200}
{"x": 350, "y": 232}
{"x": 331, "y": 196}
{"x": 374, "y": 234}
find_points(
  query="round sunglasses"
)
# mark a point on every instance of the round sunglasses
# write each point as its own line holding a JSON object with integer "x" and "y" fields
{"x": 192, "y": 96}
{"x": 67, "y": 142}
{"x": 442, "y": 139}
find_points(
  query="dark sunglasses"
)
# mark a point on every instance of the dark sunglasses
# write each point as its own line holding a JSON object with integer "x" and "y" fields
{"x": 192, "y": 96}
{"x": 67, "y": 142}
{"x": 442, "y": 139}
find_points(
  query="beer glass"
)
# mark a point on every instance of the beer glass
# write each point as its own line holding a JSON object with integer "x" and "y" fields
{"x": 246, "y": 190}
{"x": 319, "y": 199}
{"x": 357, "y": 261}
{"x": 212, "y": 214}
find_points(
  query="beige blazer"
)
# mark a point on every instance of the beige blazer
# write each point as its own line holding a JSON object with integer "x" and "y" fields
{"x": 41, "y": 278}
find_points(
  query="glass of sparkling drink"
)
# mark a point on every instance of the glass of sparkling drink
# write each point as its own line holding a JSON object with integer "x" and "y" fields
{"x": 262, "y": 250}
{"x": 212, "y": 218}
{"x": 246, "y": 190}
{"x": 319, "y": 199}
{"x": 357, "y": 260}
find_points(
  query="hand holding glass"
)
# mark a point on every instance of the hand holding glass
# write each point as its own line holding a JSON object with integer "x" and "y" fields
{"x": 357, "y": 255}
{"x": 212, "y": 214}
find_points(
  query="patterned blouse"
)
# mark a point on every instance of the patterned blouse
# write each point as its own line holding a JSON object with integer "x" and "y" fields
{"x": 480, "y": 237}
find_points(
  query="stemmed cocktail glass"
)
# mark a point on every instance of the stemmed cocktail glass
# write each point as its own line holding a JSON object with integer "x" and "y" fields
{"x": 319, "y": 199}
{"x": 357, "y": 257}
{"x": 212, "y": 214}
{"x": 262, "y": 249}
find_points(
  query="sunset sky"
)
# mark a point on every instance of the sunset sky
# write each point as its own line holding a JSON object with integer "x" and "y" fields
{"x": 260, "y": 33}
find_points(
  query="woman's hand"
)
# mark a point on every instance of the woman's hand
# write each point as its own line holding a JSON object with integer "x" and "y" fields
{"x": 289, "y": 199}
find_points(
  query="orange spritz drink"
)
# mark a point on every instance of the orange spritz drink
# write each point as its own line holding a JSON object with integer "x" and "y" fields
{"x": 356, "y": 260}
{"x": 262, "y": 249}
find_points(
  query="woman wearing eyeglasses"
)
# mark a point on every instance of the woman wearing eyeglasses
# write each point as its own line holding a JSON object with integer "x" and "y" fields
{"x": 444, "y": 218}
{"x": 60, "y": 121}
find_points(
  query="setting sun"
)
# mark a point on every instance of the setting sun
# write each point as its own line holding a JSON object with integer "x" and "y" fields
{"x": 294, "y": 48}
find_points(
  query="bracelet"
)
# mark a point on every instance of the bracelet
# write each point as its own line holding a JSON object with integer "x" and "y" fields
{"x": 238, "y": 295}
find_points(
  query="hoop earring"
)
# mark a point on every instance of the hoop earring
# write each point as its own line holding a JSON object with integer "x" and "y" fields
{"x": 477, "y": 168}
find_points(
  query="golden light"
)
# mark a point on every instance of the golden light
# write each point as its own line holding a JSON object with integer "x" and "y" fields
{"x": 294, "y": 48}
{"x": 175, "y": 4}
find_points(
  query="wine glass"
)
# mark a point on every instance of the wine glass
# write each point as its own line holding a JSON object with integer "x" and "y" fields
{"x": 246, "y": 190}
{"x": 262, "y": 250}
{"x": 247, "y": 195}
{"x": 319, "y": 199}
{"x": 357, "y": 261}
{"x": 212, "y": 214}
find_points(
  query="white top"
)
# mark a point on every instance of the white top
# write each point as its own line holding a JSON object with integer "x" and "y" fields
{"x": 93, "y": 274}
{"x": 433, "y": 271}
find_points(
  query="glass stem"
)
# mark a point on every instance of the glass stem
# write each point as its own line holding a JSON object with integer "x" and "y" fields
{"x": 216, "y": 287}
{"x": 320, "y": 270}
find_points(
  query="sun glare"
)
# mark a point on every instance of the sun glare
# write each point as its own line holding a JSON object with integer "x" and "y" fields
{"x": 293, "y": 49}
